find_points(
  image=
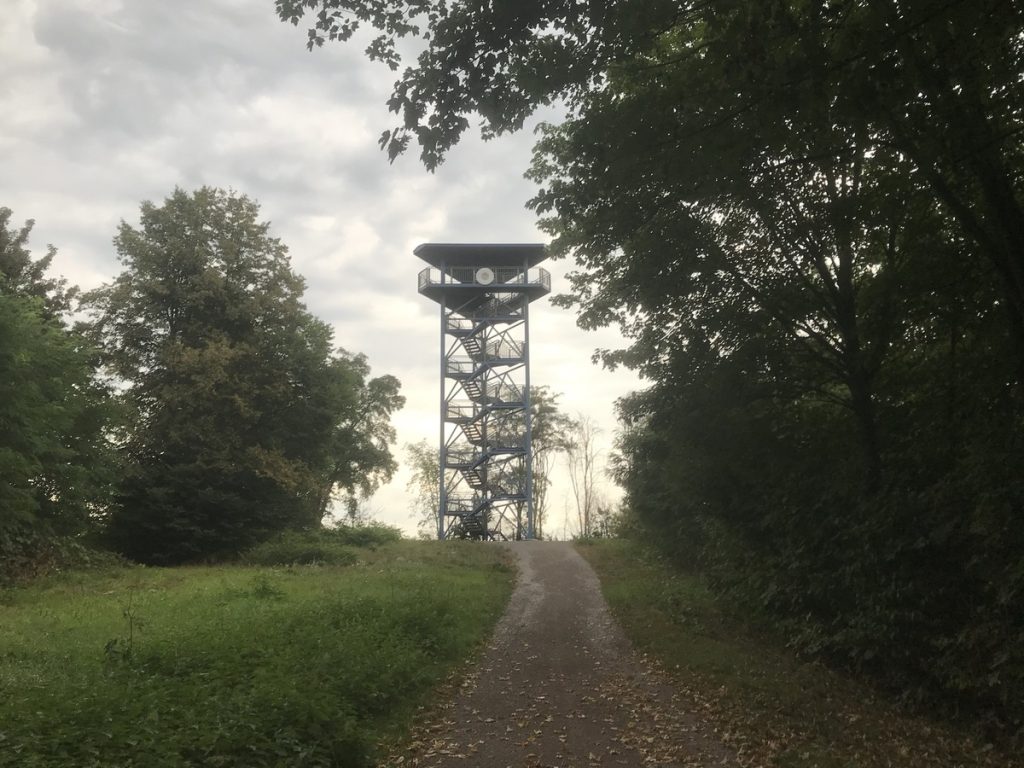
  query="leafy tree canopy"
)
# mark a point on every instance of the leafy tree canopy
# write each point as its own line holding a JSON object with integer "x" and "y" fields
{"x": 247, "y": 421}
{"x": 55, "y": 461}
{"x": 936, "y": 80}
{"x": 22, "y": 275}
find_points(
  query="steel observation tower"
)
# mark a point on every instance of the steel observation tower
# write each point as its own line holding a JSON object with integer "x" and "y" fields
{"x": 485, "y": 292}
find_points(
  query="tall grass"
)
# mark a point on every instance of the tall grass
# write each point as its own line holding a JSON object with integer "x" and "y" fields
{"x": 238, "y": 665}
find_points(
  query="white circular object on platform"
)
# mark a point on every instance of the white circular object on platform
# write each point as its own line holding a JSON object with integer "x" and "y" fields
{"x": 485, "y": 275}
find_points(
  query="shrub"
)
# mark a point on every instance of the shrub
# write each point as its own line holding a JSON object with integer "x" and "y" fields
{"x": 301, "y": 548}
{"x": 30, "y": 551}
{"x": 369, "y": 535}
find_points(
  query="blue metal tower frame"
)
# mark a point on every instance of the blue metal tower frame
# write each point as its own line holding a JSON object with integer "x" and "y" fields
{"x": 485, "y": 290}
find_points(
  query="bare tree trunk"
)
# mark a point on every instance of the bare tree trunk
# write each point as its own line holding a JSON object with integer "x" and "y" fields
{"x": 581, "y": 456}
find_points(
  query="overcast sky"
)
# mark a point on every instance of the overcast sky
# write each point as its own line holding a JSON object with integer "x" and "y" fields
{"x": 106, "y": 103}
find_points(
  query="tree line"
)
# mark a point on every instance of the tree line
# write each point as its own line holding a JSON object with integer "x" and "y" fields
{"x": 808, "y": 220}
{"x": 195, "y": 408}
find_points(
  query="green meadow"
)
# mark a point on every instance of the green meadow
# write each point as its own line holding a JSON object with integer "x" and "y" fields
{"x": 239, "y": 665}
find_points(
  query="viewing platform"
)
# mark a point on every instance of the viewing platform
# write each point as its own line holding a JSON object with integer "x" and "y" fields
{"x": 473, "y": 275}
{"x": 471, "y": 282}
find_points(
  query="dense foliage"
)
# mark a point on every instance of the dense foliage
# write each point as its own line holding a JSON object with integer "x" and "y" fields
{"x": 244, "y": 419}
{"x": 198, "y": 411}
{"x": 808, "y": 219}
{"x": 55, "y": 464}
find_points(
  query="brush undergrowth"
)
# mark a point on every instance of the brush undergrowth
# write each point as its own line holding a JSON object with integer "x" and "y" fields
{"x": 238, "y": 665}
{"x": 774, "y": 709}
{"x": 326, "y": 546}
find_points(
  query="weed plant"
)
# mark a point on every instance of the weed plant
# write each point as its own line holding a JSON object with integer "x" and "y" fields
{"x": 238, "y": 665}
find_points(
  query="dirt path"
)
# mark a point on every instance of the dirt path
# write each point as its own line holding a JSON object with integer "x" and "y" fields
{"x": 559, "y": 686}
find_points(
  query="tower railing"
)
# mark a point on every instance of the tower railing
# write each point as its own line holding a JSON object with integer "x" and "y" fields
{"x": 470, "y": 457}
{"x": 500, "y": 348}
{"x": 503, "y": 277}
{"x": 470, "y": 368}
{"x": 462, "y": 411}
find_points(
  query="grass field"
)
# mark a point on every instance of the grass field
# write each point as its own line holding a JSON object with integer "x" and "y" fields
{"x": 239, "y": 665}
{"x": 773, "y": 708}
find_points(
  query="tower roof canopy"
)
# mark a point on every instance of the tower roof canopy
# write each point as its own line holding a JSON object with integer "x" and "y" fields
{"x": 481, "y": 254}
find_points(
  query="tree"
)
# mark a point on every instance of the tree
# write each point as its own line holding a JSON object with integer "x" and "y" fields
{"x": 581, "y": 454}
{"x": 499, "y": 60}
{"x": 55, "y": 461}
{"x": 550, "y": 435}
{"x": 799, "y": 248}
{"x": 53, "y": 454}
{"x": 245, "y": 419}
{"x": 424, "y": 485}
{"x": 21, "y": 275}
{"x": 359, "y": 457}
{"x": 785, "y": 291}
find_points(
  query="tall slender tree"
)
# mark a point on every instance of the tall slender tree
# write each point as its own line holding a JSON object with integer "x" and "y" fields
{"x": 551, "y": 435}
{"x": 423, "y": 483}
{"x": 582, "y": 457}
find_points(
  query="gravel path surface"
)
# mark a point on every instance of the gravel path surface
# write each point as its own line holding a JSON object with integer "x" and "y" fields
{"x": 559, "y": 686}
